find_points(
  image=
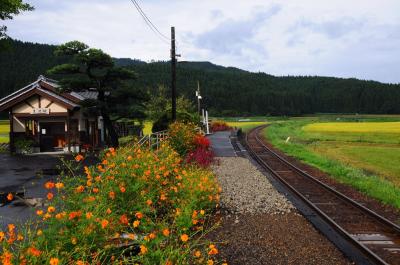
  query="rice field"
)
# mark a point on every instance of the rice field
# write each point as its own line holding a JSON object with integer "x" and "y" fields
{"x": 246, "y": 125}
{"x": 4, "y": 131}
{"x": 148, "y": 125}
{"x": 363, "y": 154}
{"x": 354, "y": 127}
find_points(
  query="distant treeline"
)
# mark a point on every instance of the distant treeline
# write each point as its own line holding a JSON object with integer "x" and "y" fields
{"x": 226, "y": 91}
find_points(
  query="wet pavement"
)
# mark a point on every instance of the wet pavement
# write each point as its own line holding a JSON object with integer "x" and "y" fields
{"x": 26, "y": 174}
{"x": 221, "y": 144}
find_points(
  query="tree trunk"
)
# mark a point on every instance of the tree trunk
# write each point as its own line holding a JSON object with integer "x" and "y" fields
{"x": 111, "y": 130}
{"x": 107, "y": 121}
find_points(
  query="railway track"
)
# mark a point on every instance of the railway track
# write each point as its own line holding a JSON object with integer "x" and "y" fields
{"x": 377, "y": 238}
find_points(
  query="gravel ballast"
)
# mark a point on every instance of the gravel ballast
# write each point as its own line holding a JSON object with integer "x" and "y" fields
{"x": 258, "y": 225}
{"x": 246, "y": 190}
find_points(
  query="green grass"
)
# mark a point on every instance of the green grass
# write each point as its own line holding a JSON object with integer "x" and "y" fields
{"x": 246, "y": 125}
{"x": 148, "y": 125}
{"x": 370, "y": 165}
{"x": 4, "y": 131}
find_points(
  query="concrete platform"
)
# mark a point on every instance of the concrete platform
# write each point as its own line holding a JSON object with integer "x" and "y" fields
{"x": 23, "y": 173}
{"x": 221, "y": 144}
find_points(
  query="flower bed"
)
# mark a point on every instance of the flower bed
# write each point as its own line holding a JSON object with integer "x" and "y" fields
{"x": 137, "y": 206}
{"x": 190, "y": 144}
{"x": 217, "y": 126}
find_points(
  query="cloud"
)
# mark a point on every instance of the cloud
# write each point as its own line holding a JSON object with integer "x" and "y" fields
{"x": 234, "y": 37}
{"x": 333, "y": 29}
{"x": 343, "y": 38}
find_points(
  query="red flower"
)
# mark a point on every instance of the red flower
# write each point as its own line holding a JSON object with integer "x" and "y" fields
{"x": 201, "y": 156}
{"x": 202, "y": 141}
{"x": 124, "y": 219}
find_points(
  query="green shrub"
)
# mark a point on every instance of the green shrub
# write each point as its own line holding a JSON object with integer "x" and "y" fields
{"x": 135, "y": 207}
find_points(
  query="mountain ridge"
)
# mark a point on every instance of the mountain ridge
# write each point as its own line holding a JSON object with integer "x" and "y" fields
{"x": 226, "y": 90}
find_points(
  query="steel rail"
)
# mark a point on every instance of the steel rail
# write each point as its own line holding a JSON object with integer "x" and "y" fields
{"x": 366, "y": 251}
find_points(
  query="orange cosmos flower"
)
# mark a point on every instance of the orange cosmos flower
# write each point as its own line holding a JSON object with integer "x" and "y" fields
{"x": 194, "y": 214}
{"x": 89, "y": 215}
{"x": 131, "y": 236}
{"x": 100, "y": 168}
{"x": 10, "y": 197}
{"x": 184, "y": 238}
{"x": 2, "y": 236}
{"x": 143, "y": 249}
{"x": 213, "y": 251}
{"x": 210, "y": 262}
{"x": 89, "y": 183}
{"x": 136, "y": 223}
{"x": 122, "y": 189}
{"x": 11, "y": 227}
{"x": 152, "y": 235}
{"x": 49, "y": 185}
{"x": 163, "y": 197}
{"x": 6, "y": 258}
{"x": 111, "y": 194}
{"x": 51, "y": 209}
{"x": 59, "y": 216}
{"x": 104, "y": 223}
{"x": 54, "y": 261}
{"x": 139, "y": 215}
{"x": 73, "y": 215}
{"x": 79, "y": 158}
{"x": 108, "y": 211}
{"x": 197, "y": 254}
{"x": 124, "y": 219}
{"x": 89, "y": 199}
{"x": 95, "y": 190}
{"x": 80, "y": 189}
{"x": 34, "y": 251}
{"x": 50, "y": 196}
{"x": 39, "y": 212}
{"x": 59, "y": 185}
{"x": 165, "y": 232}
{"x": 149, "y": 202}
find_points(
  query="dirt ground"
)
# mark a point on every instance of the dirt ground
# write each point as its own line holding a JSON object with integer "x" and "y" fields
{"x": 273, "y": 239}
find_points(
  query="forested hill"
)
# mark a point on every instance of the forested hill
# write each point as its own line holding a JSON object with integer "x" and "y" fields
{"x": 226, "y": 90}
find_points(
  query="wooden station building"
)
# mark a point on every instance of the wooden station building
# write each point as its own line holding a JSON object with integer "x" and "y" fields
{"x": 52, "y": 121}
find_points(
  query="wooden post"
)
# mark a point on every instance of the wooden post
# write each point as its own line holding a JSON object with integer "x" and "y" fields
{"x": 12, "y": 143}
{"x": 69, "y": 131}
{"x": 173, "y": 73}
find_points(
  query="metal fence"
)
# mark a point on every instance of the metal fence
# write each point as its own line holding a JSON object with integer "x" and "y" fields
{"x": 153, "y": 140}
{"x": 4, "y": 147}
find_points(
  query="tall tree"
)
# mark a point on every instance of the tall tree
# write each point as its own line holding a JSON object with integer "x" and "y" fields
{"x": 94, "y": 69}
{"x": 8, "y": 9}
{"x": 160, "y": 104}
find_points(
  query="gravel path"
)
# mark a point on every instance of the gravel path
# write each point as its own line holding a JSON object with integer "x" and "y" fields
{"x": 260, "y": 226}
{"x": 247, "y": 190}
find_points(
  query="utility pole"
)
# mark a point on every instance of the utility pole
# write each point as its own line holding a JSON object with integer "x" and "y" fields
{"x": 198, "y": 95}
{"x": 173, "y": 73}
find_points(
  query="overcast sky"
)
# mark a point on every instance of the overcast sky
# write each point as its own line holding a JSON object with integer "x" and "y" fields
{"x": 344, "y": 38}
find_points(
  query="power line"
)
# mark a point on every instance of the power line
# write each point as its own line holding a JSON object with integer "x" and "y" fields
{"x": 141, "y": 10}
{"x": 149, "y": 23}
